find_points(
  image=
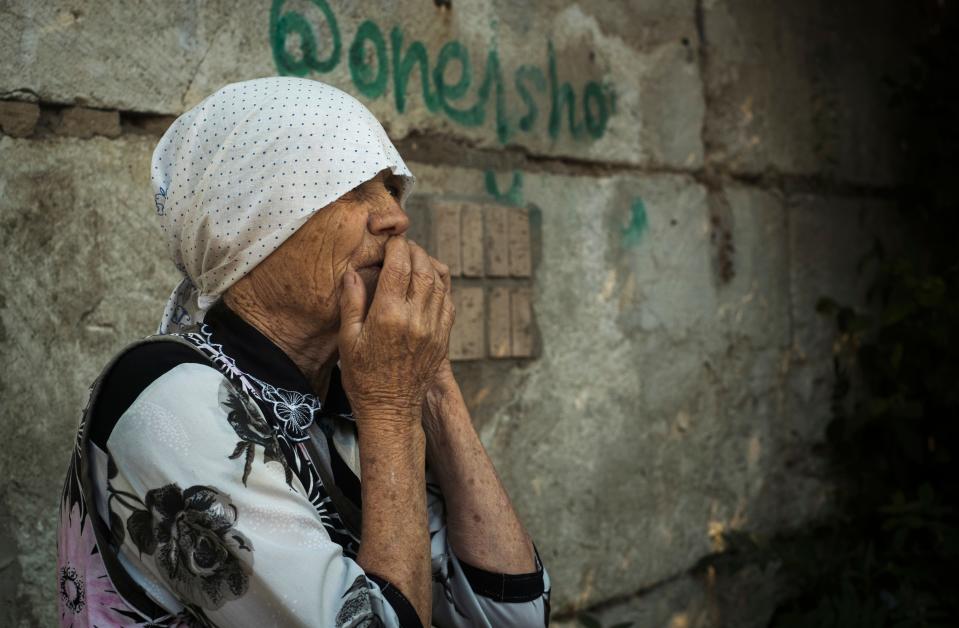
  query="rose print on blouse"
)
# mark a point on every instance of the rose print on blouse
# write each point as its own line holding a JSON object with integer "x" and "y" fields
{"x": 251, "y": 427}
{"x": 86, "y": 594}
{"x": 294, "y": 410}
{"x": 191, "y": 535}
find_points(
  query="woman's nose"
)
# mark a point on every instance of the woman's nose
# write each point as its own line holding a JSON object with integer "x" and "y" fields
{"x": 390, "y": 220}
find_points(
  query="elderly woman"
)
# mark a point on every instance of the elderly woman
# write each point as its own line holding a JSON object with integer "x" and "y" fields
{"x": 292, "y": 448}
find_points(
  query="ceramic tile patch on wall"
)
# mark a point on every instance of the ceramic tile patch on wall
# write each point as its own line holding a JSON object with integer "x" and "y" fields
{"x": 487, "y": 249}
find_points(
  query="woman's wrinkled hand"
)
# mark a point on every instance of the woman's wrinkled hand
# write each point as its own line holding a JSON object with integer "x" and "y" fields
{"x": 389, "y": 355}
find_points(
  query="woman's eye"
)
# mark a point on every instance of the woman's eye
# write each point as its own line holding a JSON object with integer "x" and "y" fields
{"x": 393, "y": 190}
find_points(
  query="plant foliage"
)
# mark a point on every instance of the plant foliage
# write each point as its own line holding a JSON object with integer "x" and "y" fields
{"x": 889, "y": 558}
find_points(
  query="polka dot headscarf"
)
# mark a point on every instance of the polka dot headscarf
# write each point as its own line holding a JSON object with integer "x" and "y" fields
{"x": 236, "y": 175}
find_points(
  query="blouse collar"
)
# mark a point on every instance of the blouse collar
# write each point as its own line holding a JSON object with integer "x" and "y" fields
{"x": 259, "y": 356}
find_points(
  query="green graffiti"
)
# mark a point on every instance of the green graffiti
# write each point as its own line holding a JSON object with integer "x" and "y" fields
{"x": 455, "y": 51}
{"x": 492, "y": 79}
{"x": 447, "y": 88}
{"x": 561, "y": 97}
{"x": 493, "y": 76}
{"x": 633, "y": 232}
{"x": 514, "y": 196}
{"x": 595, "y": 120}
{"x": 370, "y": 85}
{"x": 525, "y": 74}
{"x": 280, "y": 28}
{"x": 403, "y": 64}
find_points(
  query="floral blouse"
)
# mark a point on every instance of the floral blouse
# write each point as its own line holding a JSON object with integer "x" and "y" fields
{"x": 210, "y": 487}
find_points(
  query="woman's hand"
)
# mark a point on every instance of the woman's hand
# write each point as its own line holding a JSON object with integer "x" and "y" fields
{"x": 389, "y": 355}
{"x": 388, "y": 358}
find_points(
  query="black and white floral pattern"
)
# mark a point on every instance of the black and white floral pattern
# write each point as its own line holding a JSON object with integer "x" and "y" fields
{"x": 294, "y": 409}
{"x": 72, "y": 592}
{"x": 251, "y": 427}
{"x": 298, "y": 460}
{"x": 191, "y": 534}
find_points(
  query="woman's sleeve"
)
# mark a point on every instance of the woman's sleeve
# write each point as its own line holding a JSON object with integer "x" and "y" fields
{"x": 209, "y": 517}
{"x": 467, "y": 596}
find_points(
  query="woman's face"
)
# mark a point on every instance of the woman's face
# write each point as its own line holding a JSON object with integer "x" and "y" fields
{"x": 305, "y": 273}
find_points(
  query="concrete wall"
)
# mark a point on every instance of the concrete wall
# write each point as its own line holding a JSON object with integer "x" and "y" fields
{"x": 697, "y": 174}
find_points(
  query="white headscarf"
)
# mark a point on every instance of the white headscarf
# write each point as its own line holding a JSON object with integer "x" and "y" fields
{"x": 236, "y": 175}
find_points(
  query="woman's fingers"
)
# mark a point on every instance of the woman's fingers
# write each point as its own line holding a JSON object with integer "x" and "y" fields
{"x": 439, "y": 293}
{"x": 431, "y": 284}
{"x": 447, "y": 313}
{"x": 352, "y": 303}
{"x": 443, "y": 270}
{"x": 423, "y": 277}
{"x": 394, "y": 282}
{"x": 439, "y": 287}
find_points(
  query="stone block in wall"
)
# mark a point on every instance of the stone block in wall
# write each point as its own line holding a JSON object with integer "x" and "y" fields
{"x": 146, "y": 124}
{"x": 661, "y": 275}
{"x": 85, "y": 123}
{"x": 594, "y": 81}
{"x": 749, "y": 238}
{"x": 18, "y": 118}
{"x": 803, "y": 88}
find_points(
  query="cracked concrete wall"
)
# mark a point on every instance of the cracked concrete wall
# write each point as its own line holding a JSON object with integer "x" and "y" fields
{"x": 698, "y": 173}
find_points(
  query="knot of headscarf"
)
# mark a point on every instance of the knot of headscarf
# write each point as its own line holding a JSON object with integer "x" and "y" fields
{"x": 237, "y": 174}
